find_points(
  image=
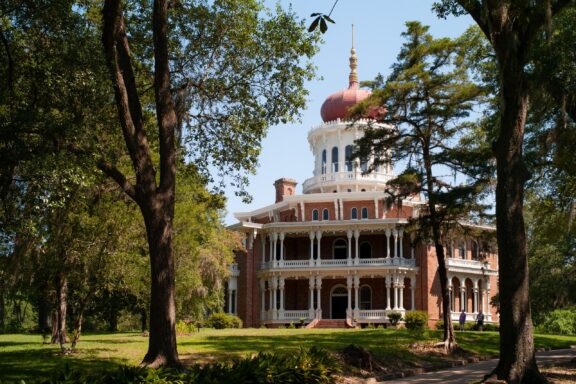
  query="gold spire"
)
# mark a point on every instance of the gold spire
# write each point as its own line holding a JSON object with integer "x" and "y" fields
{"x": 353, "y": 78}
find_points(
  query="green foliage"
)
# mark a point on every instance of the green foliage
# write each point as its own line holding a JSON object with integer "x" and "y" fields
{"x": 222, "y": 320}
{"x": 394, "y": 318}
{"x": 416, "y": 321}
{"x": 186, "y": 328}
{"x": 313, "y": 366}
{"x": 559, "y": 322}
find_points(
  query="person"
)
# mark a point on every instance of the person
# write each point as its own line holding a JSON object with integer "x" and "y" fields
{"x": 480, "y": 321}
{"x": 462, "y": 319}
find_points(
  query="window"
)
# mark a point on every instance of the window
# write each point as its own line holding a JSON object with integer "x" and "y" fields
{"x": 335, "y": 159}
{"x": 462, "y": 249}
{"x": 315, "y": 215}
{"x": 475, "y": 250}
{"x": 323, "y": 161}
{"x": 354, "y": 213}
{"x": 325, "y": 214}
{"x": 364, "y": 213}
{"x": 349, "y": 160}
{"x": 448, "y": 248}
{"x": 365, "y": 250}
{"x": 365, "y": 298}
{"x": 340, "y": 249}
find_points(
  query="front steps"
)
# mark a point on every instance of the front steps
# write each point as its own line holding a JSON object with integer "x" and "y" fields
{"x": 329, "y": 323}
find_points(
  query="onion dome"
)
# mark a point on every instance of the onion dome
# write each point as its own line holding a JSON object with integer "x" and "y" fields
{"x": 337, "y": 104}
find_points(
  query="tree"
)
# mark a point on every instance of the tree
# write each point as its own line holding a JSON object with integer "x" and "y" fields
{"x": 427, "y": 100}
{"x": 512, "y": 27}
{"x": 221, "y": 75}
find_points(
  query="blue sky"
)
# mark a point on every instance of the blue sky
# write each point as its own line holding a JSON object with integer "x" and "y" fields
{"x": 378, "y": 25}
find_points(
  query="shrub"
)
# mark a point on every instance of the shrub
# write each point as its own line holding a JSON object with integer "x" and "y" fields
{"x": 439, "y": 325}
{"x": 223, "y": 320}
{"x": 185, "y": 328}
{"x": 394, "y": 317}
{"x": 416, "y": 321}
{"x": 560, "y": 322}
{"x": 312, "y": 366}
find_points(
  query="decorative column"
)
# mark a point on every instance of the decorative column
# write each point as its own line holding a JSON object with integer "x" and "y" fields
{"x": 356, "y": 301}
{"x": 270, "y": 298}
{"x": 395, "y": 286}
{"x": 388, "y": 233}
{"x": 450, "y": 293}
{"x": 318, "y": 296}
{"x": 303, "y": 216}
{"x": 401, "y": 242}
{"x": 412, "y": 293}
{"x": 282, "y": 248}
{"x": 229, "y": 299}
{"x": 336, "y": 213}
{"x": 275, "y": 248}
{"x": 395, "y": 233}
{"x": 311, "y": 301}
{"x": 274, "y": 297}
{"x": 356, "y": 237}
{"x": 263, "y": 247}
{"x": 375, "y": 207}
{"x": 462, "y": 293}
{"x": 349, "y": 235}
{"x": 262, "y": 298}
{"x": 281, "y": 313}
{"x": 349, "y": 287}
{"x": 401, "y": 293}
{"x": 312, "y": 236}
{"x": 319, "y": 239}
{"x": 270, "y": 259}
{"x": 475, "y": 299}
{"x": 388, "y": 282}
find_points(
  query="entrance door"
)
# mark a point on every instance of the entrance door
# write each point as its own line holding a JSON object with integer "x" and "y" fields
{"x": 339, "y": 303}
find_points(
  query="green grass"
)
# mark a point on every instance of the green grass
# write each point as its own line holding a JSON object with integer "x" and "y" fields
{"x": 25, "y": 356}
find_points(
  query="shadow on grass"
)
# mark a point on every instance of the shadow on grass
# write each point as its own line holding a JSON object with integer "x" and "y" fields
{"x": 38, "y": 363}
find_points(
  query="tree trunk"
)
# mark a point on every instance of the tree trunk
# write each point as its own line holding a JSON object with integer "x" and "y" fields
{"x": 162, "y": 350}
{"x": 43, "y": 314}
{"x": 62, "y": 296}
{"x": 517, "y": 360}
{"x": 2, "y": 311}
{"x": 143, "y": 320}
{"x": 113, "y": 320}
{"x": 449, "y": 337}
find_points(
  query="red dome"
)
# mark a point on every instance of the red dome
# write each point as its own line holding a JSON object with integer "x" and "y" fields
{"x": 336, "y": 105}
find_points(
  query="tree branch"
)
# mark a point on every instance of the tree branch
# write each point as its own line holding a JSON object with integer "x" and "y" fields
{"x": 119, "y": 177}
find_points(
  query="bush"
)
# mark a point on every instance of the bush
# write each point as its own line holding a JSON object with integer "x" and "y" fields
{"x": 439, "y": 325}
{"x": 312, "y": 366}
{"x": 222, "y": 321}
{"x": 416, "y": 321}
{"x": 185, "y": 328}
{"x": 559, "y": 322}
{"x": 394, "y": 318}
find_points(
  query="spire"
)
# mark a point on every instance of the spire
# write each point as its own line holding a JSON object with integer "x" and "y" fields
{"x": 353, "y": 78}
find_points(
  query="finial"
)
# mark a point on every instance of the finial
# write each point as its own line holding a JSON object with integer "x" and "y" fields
{"x": 353, "y": 78}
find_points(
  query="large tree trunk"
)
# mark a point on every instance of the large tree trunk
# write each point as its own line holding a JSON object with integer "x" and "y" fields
{"x": 143, "y": 320}
{"x": 449, "y": 337}
{"x": 162, "y": 349}
{"x": 517, "y": 360}
{"x": 43, "y": 314}
{"x": 59, "y": 336}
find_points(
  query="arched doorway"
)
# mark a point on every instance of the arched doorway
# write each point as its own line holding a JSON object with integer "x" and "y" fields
{"x": 338, "y": 302}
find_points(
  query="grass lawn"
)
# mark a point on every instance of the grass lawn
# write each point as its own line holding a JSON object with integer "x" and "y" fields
{"x": 25, "y": 356}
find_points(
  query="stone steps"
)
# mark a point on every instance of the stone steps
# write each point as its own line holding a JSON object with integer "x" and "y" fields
{"x": 328, "y": 323}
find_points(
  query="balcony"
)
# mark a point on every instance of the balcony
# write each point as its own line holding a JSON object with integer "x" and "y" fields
{"x": 470, "y": 266}
{"x": 353, "y": 176}
{"x": 326, "y": 264}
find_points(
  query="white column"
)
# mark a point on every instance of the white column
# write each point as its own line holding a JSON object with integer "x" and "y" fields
{"x": 401, "y": 293}
{"x": 475, "y": 298}
{"x": 388, "y": 282}
{"x": 388, "y": 232}
{"x": 357, "y": 255}
{"x": 336, "y": 213}
{"x": 356, "y": 298}
{"x": 312, "y": 236}
{"x": 412, "y": 293}
{"x": 319, "y": 294}
{"x": 303, "y": 216}
{"x": 450, "y": 293}
{"x": 263, "y": 297}
{"x": 281, "y": 297}
{"x": 462, "y": 292}
{"x": 349, "y": 235}
{"x": 229, "y": 300}
{"x": 412, "y": 246}
{"x": 263, "y": 247}
{"x": 319, "y": 239}
{"x": 395, "y": 233}
{"x": 270, "y": 237}
{"x": 401, "y": 236}
{"x": 274, "y": 297}
{"x": 395, "y": 286}
{"x": 349, "y": 287}
{"x": 270, "y": 296}
{"x": 311, "y": 284}
{"x": 275, "y": 248}
{"x": 375, "y": 208}
{"x": 282, "y": 248}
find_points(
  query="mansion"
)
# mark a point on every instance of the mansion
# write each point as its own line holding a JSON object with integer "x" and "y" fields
{"x": 339, "y": 253}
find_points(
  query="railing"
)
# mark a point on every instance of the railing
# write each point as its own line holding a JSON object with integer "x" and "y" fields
{"x": 327, "y": 263}
{"x": 295, "y": 315}
{"x": 466, "y": 263}
{"x": 345, "y": 176}
{"x": 374, "y": 314}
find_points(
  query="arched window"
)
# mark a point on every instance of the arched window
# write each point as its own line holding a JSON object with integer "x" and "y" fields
{"x": 323, "y": 162}
{"x": 365, "y": 298}
{"x": 364, "y": 213}
{"x": 315, "y": 215}
{"x": 475, "y": 250}
{"x": 340, "y": 249}
{"x": 365, "y": 250}
{"x": 335, "y": 159}
{"x": 349, "y": 160}
{"x": 325, "y": 214}
{"x": 354, "y": 213}
{"x": 462, "y": 249}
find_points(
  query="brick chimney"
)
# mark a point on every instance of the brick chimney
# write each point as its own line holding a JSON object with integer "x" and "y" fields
{"x": 284, "y": 187}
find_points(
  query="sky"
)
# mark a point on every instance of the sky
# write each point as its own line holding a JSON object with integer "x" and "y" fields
{"x": 378, "y": 25}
